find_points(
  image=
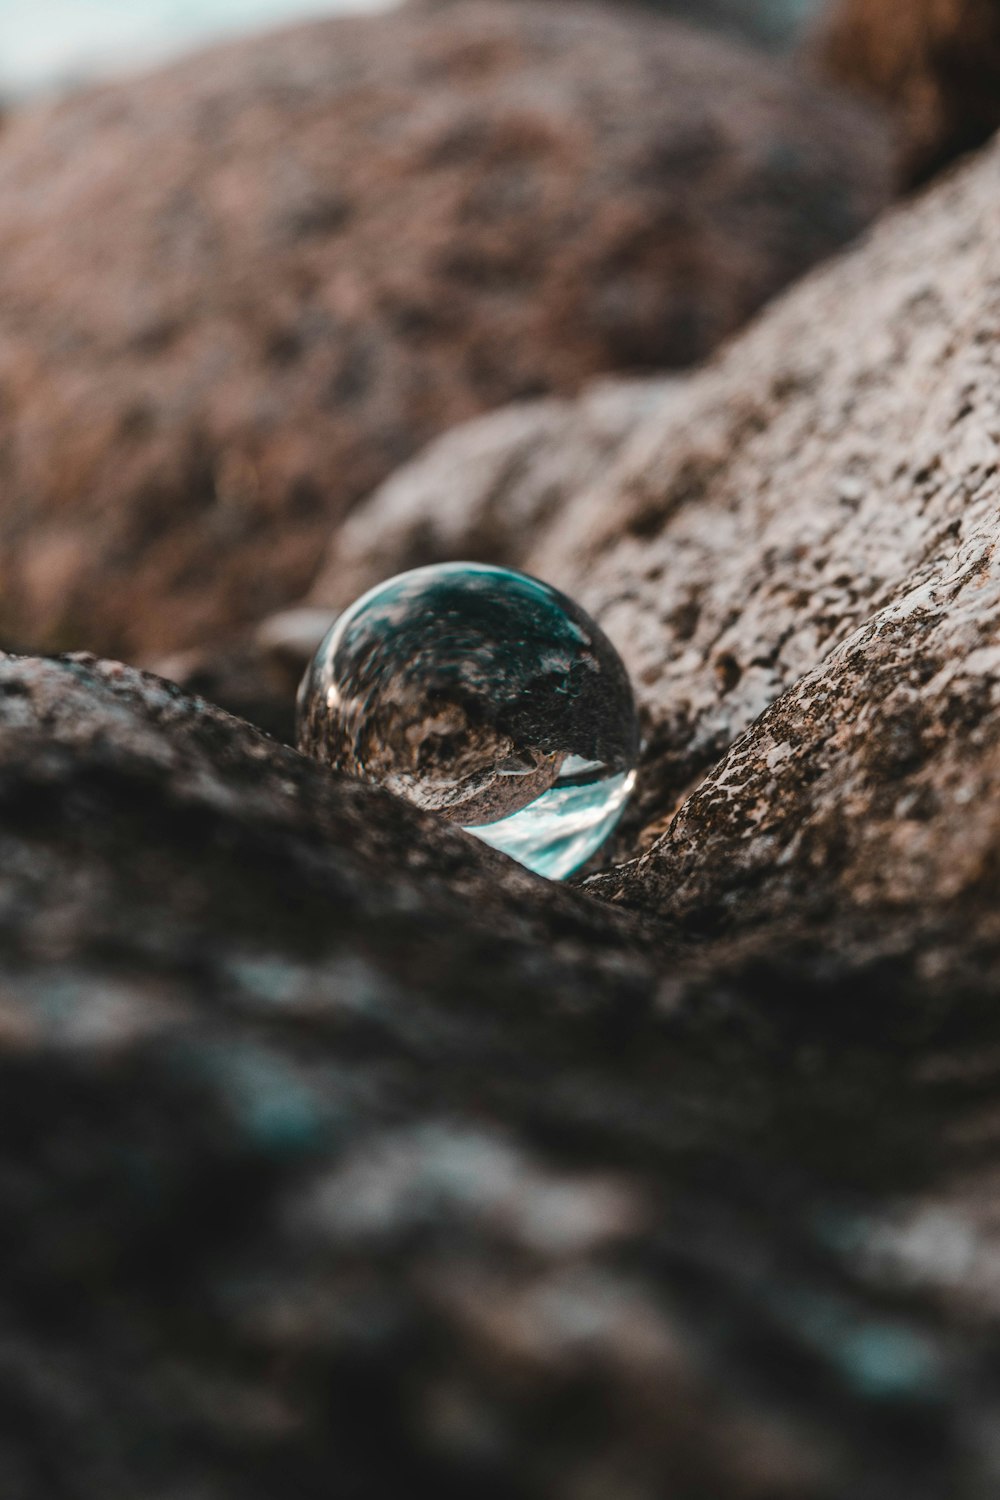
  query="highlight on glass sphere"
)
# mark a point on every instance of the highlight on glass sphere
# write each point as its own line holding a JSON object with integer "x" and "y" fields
{"x": 485, "y": 696}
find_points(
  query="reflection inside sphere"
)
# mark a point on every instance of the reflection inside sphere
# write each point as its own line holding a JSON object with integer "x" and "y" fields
{"x": 485, "y": 696}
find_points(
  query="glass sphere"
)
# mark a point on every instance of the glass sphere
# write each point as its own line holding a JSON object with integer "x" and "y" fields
{"x": 485, "y": 696}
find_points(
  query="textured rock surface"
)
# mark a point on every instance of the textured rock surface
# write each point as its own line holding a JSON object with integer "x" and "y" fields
{"x": 935, "y": 63}
{"x": 814, "y": 498}
{"x": 786, "y": 513}
{"x": 295, "y": 260}
{"x": 341, "y": 1156}
{"x": 488, "y": 489}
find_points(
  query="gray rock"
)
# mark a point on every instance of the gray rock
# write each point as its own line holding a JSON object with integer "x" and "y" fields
{"x": 340, "y": 1155}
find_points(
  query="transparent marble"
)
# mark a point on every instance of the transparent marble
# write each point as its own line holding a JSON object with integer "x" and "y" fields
{"x": 485, "y": 696}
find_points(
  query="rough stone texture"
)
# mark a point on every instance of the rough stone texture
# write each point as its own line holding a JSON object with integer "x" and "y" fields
{"x": 832, "y": 478}
{"x": 488, "y": 489}
{"x": 770, "y": 518}
{"x": 342, "y": 1157}
{"x": 259, "y": 280}
{"x": 934, "y": 63}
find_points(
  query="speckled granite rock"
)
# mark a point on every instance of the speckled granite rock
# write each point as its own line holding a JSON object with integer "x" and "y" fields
{"x": 340, "y": 1156}
{"x": 934, "y": 63}
{"x": 834, "y": 476}
{"x": 260, "y": 279}
{"x": 763, "y": 531}
{"x": 490, "y": 488}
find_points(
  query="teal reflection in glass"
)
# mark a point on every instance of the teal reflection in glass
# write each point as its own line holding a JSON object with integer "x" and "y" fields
{"x": 483, "y": 695}
{"x": 559, "y": 831}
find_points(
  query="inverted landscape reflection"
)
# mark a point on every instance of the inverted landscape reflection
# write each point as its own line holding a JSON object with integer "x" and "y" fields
{"x": 485, "y": 696}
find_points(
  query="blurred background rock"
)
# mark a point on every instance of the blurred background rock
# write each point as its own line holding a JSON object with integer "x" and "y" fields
{"x": 934, "y": 63}
{"x": 238, "y": 292}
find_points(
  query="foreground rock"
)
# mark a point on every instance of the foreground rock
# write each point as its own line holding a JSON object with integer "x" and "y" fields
{"x": 259, "y": 280}
{"x": 934, "y": 63}
{"x": 341, "y": 1155}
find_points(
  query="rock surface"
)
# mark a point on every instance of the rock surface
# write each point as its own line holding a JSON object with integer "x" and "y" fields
{"x": 488, "y": 489}
{"x": 778, "y": 516}
{"x": 294, "y": 260}
{"x": 342, "y": 1156}
{"x": 797, "y": 523}
{"x": 934, "y": 63}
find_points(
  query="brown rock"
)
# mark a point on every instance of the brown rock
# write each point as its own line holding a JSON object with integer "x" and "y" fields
{"x": 487, "y": 490}
{"x": 257, "y": 281}
{"x": 339, "y": 1156}
{"x": 832, "y": 478}
{"x": 794, "y": 552}
{"x": 934, "y": 63}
